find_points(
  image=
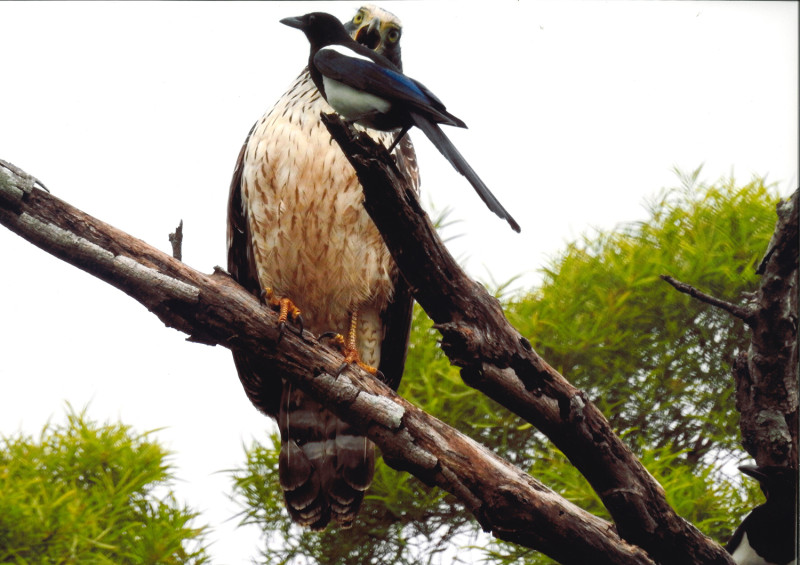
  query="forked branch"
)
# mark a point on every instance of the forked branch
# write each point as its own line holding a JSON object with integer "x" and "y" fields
{"x": 213, "y": 309}
{"x": 500, "y": 362}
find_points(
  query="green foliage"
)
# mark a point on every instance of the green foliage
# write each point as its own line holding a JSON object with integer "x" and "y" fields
{"x": 84, "y": 493}
{"x": 656, "y": 362}
{"x": 698, "y": 492}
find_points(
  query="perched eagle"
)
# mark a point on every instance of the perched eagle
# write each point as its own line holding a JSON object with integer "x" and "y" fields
{"x": 298, "y": 234}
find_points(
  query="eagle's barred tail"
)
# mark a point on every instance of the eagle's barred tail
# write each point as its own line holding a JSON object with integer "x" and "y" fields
{"x": 324, "y": 465}
{"x": 355, "y": 466}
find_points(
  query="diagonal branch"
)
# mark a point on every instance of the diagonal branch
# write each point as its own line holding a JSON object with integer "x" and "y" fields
{"x": 500, "y": 362}
{"x": 743, "y": 313}
{"x": 213, "y": 309}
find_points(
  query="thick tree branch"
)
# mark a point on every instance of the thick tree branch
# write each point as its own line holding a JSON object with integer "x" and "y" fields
{"x": 500, "y": 362}
{"x": 215, "y": 310}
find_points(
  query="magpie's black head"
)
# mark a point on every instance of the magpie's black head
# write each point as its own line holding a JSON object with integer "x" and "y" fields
{"x": 321, "y": 29}
{"x": 776, "y": 482}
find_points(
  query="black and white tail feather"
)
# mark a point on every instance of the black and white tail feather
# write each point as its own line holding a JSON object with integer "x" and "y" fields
{"x": 446, "y": 148}
{"x": 367, "y": 88}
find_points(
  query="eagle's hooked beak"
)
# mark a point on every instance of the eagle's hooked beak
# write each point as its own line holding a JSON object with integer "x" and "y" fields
{"x": 370, "y": 35}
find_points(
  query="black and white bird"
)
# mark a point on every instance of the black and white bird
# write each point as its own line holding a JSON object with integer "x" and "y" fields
{"x": 767, "y": 536}
{"x": 365, "y": 87}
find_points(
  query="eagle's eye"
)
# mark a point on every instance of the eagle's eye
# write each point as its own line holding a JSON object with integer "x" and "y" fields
{"x": 358, "y": 18}
{"x": 393, "y": 35}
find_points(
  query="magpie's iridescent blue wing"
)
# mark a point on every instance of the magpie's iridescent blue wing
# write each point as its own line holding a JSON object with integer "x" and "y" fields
{"x": 361, "y": 73}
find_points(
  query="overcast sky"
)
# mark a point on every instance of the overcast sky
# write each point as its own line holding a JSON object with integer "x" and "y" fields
{"x": 135, "y": 113}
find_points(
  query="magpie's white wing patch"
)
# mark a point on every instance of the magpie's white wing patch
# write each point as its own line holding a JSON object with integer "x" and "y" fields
{"x": 347, "y": 52}
{"x": 352, "y": 103}
{"x": 361, "y": 73}
{"x": 342, "y": 71}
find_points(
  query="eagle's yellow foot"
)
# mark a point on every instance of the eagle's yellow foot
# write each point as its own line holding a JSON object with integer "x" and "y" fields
{"x": 349, "y": 350}
{"x": 286, "y": 311}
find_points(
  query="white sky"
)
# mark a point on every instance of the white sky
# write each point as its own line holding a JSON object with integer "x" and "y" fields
{"x": 135, "y": 113}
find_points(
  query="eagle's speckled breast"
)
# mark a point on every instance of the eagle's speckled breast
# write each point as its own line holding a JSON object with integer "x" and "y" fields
{"x": 313, "y": 240}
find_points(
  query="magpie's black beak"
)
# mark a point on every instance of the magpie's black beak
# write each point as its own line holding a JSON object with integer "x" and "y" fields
{"x": 294, "y": 22}
{"x": 753, "y": 471}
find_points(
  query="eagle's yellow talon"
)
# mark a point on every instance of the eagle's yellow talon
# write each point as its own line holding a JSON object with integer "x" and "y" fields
{"x": 287, "y": 310}
{"x": 348, "y": 348}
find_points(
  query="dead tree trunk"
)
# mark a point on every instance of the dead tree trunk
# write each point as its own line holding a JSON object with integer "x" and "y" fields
{"x": 766, "y": 374}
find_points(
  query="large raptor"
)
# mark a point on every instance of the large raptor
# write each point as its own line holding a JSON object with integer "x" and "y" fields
{"x": 299, "y": 236}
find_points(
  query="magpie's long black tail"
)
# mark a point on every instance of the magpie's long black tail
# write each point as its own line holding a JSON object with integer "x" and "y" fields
{"x": 446, "y": 147}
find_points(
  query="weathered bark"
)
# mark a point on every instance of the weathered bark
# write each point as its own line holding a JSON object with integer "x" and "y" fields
{"x": 766, "y": 374}
{"x": 214, "y": 310}
{"x": 766, "y": 379}
{"x": 500, "y": 362}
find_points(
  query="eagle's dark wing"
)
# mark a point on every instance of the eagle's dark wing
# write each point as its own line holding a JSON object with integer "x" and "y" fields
{"x": 397, "y": 325}
{"x": 241, "y": 263}
{"x": 397, "y": 315}
{"x": 264, "y": 393}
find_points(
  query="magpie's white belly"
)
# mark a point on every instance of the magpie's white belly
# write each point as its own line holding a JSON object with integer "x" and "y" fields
{"x": 352, "y": 103}
{"x": 746, "y": 555}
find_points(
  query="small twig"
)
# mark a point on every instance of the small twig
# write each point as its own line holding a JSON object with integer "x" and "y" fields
{"x": 176, "y": 239}
{"x": 744, "y": 314}
{"x": 29, "y": 179}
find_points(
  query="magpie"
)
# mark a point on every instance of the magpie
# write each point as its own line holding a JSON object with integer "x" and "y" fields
{"x": 767, "y": 536}
{"x": 367, "y": 88}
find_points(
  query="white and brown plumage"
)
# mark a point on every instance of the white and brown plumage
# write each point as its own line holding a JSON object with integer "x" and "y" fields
{"x": 297, "y": 228}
